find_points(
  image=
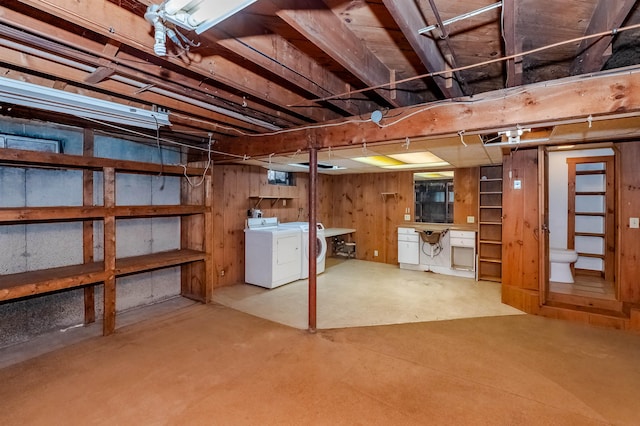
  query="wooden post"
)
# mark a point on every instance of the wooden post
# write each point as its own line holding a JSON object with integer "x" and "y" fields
{"x": 313, "y": 235}
{"x": 87, "y": 228}
{"x": 109, "y": 315}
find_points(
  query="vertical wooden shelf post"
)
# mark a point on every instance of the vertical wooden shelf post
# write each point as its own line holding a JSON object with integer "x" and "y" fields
{"x": 109, "y": 323}
{"x": 87, "y": 229}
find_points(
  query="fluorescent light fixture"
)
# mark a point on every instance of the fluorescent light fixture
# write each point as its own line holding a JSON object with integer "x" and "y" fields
{"x": 418, "y": 166}
{"x": 48, "y": 99}
{"x": 424, "y": 157}
{"x": 321, "y": 166}
{"x": 200, "y": 15}
{"x": 433, "y": 175}
{"x": 378, "y": 160}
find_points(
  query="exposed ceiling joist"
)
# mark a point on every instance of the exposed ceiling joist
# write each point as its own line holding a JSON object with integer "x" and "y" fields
{"x": 409, "y": 19}
{"x": 512, "y": 43}
{"x": 320, "y": 25}
{"x": 593, "y": 53}
{"x": 275, "y": 54}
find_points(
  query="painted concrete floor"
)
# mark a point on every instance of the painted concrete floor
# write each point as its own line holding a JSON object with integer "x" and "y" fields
{"x": 353, "y": 293}
{"x": 212, "y": 365}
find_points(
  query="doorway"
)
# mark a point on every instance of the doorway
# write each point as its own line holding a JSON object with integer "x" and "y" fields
{"x": 580, "y": 213}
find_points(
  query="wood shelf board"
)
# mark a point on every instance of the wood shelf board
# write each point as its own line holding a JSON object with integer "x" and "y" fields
{"x": 590, "y": 172}
{"x": 147, "y": 262}
{"x": 584, "y": 193}
{"x": 491, "y": 207}
{"x": 495, "y": 242}
{"x": 494, "y": 278}
{"x": 23, "y": 158}
{"x": 589, "y": 234}
{"x": 274, "y": 199}
{"x": 591, "y": 255}
{"x": 23, "y": 284}
{"x": 164, "y": 210}
{"x": 70, "y": 213}
{"x": 490, "y": 260}
{"x": 490, "y": 192}
{"x": 30, "y": 283}
{"x": 593, "y": 214}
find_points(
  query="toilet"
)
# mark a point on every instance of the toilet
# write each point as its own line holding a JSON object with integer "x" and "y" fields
{"x": 561, "y": 260}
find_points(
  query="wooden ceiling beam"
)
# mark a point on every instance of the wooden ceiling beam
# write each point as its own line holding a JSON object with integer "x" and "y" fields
{"x": 34, "y": 45}
{"x": 409, "y": 18}
{"x": 593, "y": 53}
{"x": 279, "y": 57}
{"x": 532, "y": 105}
{"x": 114, "y": 22}
{"x": 318, "y": 24}
{"x": 144, "y": 70}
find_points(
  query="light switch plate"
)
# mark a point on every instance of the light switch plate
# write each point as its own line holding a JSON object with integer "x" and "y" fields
{"x": 634, "y": 222}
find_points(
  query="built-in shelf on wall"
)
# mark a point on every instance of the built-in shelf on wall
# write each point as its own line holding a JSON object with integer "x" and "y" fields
{"x": 385, "y": 195}
{"x": 274, "y": 199}
{"x": 490, "y": 224}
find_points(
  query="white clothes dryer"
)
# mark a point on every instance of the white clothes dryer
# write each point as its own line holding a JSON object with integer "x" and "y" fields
{"x": 272, "y": 254}
{"x": 321, "y": 244}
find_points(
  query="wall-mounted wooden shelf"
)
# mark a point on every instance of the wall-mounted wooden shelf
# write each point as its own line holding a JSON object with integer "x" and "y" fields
{"x": 386, "y": 195}
{"x": 274, "y": 199}
{"x": 490, "y": 224}
{"x": 195, "y": 246}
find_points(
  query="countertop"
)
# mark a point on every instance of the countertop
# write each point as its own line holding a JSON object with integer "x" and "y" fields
{"x": 421, "y": 226}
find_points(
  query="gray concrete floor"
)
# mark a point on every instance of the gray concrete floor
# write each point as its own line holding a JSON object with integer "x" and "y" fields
{"x": 353, "y": 293}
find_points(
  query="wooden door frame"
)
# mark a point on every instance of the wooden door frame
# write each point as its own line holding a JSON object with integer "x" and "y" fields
{"x": 543, "y": 223}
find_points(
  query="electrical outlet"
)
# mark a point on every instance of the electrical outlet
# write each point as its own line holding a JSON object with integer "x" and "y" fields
{"x": 634, "y": 222}
{"x": 407, "y": 217}
{"x": 471, "y": 219}
{"x": 375, "y": 253}
{"x": 517, "y": 184}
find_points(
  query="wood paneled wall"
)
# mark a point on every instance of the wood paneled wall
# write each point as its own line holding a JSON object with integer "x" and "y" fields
{"x": 628, "y": 155}
{"x": 344, "y": 201}
{"x": 358, "y": 202}
{"x": 233, "y": 185}
{"x": 465, "y": 187}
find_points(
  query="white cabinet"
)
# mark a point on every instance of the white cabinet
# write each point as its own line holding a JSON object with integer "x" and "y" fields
{"x": 408, "y": 246}
{"x": 463, "y": 250}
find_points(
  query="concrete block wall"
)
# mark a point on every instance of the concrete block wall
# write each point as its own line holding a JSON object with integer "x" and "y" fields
{"x": 44, "y": 245}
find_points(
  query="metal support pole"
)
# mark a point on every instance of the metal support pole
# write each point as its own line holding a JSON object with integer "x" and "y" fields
{"x": 313, "y": 235}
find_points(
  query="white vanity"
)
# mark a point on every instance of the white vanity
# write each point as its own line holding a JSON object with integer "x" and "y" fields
{"x": 440, "y": 249}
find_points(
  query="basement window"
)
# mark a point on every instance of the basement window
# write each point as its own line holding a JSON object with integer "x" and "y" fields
{"x": 275, "y": 177}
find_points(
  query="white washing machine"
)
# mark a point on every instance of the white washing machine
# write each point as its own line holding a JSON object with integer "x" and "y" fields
{"x": 272, "y": 254}
{"x": 321, "y": 246}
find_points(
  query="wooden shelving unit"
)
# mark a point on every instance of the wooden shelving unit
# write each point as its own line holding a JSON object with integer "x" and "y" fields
{"x": 490, "y": 224}
{"x": 590, "y": 223}
{"x": 194, "y": 253}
